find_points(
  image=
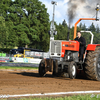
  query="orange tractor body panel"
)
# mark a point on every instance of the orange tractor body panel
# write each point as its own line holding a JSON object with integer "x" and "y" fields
{"x": 70, "y": 46}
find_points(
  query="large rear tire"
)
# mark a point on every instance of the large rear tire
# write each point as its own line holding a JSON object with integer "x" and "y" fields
{"x": 72, "y": 70}
{"x": 42, "y": 68}
{"x": 92, "y": 64}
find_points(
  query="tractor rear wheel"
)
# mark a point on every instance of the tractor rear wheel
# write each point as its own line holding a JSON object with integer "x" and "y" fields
{"x": 92, "y": 64}
{"x": 42, "y": 68}
{"x": 72, "y": 70}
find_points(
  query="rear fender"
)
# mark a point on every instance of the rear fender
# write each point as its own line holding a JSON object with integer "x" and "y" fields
{"x": 92, "y": 47}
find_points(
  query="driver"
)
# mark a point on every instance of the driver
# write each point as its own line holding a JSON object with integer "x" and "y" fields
{"x": 82, "y": 42}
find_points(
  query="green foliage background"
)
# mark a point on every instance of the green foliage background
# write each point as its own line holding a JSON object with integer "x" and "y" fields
{"x": 26, "y": 23}
{"x": 63, "y": 30}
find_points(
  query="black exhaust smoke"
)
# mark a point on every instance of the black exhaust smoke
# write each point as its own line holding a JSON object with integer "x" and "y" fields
{"x": 71, "y": 14}
{"x": 88, "y": 7}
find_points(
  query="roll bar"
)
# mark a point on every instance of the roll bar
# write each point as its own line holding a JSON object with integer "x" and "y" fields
{"x": 75, "y": 26}
{"x": 92, "y": 36}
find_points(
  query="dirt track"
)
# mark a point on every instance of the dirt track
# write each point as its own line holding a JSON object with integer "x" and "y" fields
{"x": 18, "y": 82}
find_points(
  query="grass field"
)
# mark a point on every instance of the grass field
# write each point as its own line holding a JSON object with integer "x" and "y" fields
{"x": 8, "y": 67}
{"x": 78, "y": 97}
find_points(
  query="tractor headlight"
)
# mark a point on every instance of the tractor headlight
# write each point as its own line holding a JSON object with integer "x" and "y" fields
{"x": 63, "y": 45}
{"x": 68, "y": 57}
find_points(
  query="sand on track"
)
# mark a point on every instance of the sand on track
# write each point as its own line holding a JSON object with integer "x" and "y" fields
{"x": 29, "y": 82}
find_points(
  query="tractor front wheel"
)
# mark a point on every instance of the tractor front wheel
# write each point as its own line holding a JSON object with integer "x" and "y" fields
{"x": 42, "y": 68}
{"x": 72, "y": 70}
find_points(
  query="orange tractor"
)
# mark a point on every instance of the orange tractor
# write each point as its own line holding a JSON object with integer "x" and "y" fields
{"x": 64, "y": 58}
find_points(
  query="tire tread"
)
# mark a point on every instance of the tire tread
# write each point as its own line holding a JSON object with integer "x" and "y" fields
{"x": 90, "y": 64}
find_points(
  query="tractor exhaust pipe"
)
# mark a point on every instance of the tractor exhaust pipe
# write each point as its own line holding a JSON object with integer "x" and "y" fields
{"x": 68, "y": 33}
{"x": 67, "y": 36}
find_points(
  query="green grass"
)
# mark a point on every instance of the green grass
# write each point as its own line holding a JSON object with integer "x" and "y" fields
{"x": 77, "y": 97}
{"x": 9, "y": 67}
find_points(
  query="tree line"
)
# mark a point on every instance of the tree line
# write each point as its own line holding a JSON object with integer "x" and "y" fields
{"x": 63, "y": 29}
{"x": 26, "y": 23}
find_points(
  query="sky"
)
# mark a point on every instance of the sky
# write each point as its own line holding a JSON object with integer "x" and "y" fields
{"x": 83, "y": 9}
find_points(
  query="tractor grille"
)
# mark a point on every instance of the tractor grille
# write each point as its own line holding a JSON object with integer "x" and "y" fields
{"x": 55, "y": 48}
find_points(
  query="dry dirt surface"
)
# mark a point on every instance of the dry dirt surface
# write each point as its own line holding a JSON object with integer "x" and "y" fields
{"x": 29, "y": 82}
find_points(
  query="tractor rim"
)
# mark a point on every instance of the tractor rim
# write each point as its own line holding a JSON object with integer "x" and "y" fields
{"x": 73, "y": 70}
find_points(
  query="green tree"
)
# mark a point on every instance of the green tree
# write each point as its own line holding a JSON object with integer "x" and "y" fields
{"x": 97, "y": 29}
{"x": 12, "y": 38}
{"x": 96, "y": 38}
{"x": 64, "y": 23}
{"x": 3, "y": 33}
{"x": 27, "y": 22}
{"x": 83, "y": 27}
{"x": 92, "y": 28}
{"x": 80, "y": 25}
{"x": 62, "y": 30}
{"x": 22, "y": 31}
